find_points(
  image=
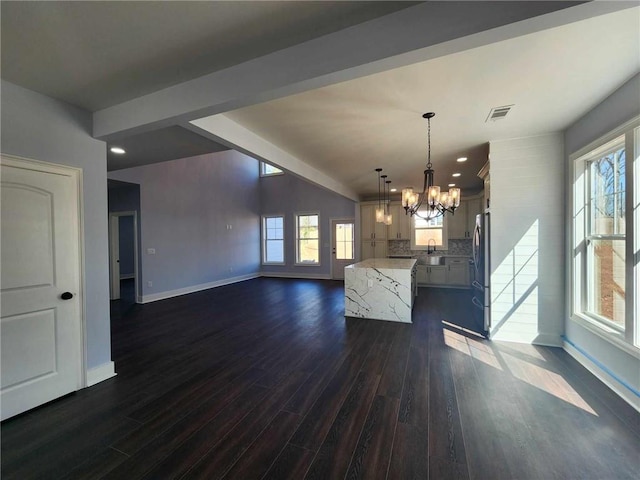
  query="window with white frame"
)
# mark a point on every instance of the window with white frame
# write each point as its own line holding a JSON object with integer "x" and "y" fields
{"x": 273, "y": 239}
{"x": 428, "y": 234}
{"x": 606, "y": 234}
{"x": 308, "y": 239}
{"x": 267, "y": 170}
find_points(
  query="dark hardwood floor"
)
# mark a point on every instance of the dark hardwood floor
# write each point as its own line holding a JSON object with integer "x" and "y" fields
{"x": 267, "y": 379}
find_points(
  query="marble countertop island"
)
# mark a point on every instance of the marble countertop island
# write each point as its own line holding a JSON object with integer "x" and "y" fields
{"x": 380, "y": 289}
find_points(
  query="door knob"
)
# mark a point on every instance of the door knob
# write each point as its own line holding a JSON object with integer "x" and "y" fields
{"x": 66, "y": 296}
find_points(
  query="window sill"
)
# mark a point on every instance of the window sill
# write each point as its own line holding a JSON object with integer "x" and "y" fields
{"x": 266, "y": 264}
{"x": 306, "y": 264}
{"x": 609, "y": 334}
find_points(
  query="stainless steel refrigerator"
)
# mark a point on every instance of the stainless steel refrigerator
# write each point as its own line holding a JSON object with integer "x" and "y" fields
{"x": 481, "y": 288}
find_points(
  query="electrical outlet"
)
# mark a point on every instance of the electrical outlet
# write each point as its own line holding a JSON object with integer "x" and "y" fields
{"x": 151, "y": 251}
{"x": 149, "y": 283}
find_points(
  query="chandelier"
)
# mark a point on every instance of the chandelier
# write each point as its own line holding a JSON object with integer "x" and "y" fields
{"x": 431, "y": 203}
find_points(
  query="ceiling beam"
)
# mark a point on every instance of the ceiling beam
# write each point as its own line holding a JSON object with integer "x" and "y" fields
{"x": 419, "y": 33}
{"x": 224, "y": 130}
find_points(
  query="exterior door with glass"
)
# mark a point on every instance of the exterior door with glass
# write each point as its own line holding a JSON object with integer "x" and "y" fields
{"x": 342, "y": 246}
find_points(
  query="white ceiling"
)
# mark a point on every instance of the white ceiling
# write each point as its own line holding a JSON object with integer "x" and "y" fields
{"x": 553, "y": 77}
{"x": 99, "y": 54}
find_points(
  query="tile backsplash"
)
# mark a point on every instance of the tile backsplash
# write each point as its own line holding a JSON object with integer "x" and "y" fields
{"x": 456, "y": 247}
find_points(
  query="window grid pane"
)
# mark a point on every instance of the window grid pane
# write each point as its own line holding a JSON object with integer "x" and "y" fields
{"x": 308, "y": 250}
{"x": 273, "y": 239}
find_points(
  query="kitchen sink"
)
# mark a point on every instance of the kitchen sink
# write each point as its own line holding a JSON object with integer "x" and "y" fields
{"x": 433, "y": 260}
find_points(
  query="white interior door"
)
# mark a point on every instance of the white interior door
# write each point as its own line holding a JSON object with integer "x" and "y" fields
{"x": 40, "y": 324}
{"x": 342, "y": 246}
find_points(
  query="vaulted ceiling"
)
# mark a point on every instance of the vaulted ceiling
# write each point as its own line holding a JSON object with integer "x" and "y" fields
{"x": 327, "y": 90}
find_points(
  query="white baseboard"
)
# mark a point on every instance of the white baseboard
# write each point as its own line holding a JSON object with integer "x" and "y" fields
{"x": 154, "y": 297}
{"x": 548, "y": 340}
{"x": 100, "y": 373}
{"x": 306, "y": 276}
{"x": 614, "y": 384}
{"x": 127, "y": 276}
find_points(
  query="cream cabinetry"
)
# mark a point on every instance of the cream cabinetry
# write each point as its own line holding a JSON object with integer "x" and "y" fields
{"x": 373, "y": 235}
{"x": 463, "y": 221}
{"x": 400, "y": 228}
{"x": 457, "y": 271}
{"x": 454, "y": 273}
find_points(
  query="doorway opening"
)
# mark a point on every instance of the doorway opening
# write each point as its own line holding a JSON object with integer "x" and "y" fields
{"x": 123, "y": 256}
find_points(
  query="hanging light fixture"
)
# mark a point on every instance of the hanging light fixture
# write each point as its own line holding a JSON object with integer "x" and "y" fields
{"x": 386, "y": 217}
{"x": 380, "y": 209}
{"x": 431, "y": 203}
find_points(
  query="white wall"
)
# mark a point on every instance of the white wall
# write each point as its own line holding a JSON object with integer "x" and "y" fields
{"x": 38, "y": 127}
{"x": 185, "y": 208}
{"x": 527, "y": 239}
{"x": 621, "y": 368}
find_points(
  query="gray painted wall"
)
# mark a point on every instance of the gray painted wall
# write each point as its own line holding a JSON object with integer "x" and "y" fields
{"x": 186, "y": 206}
{"x": 40, "y": 128}
{"x": 619, "y": 107}
{"x": 127, "y": 199}
{"x": 287, "y": 195}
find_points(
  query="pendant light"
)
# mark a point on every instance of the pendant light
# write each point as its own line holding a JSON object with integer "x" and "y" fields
{"x": 380, "y": 209}
{"x": 388, "y": 218}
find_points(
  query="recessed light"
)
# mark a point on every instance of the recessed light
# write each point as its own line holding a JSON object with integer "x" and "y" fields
{"x": 456, "y": 174}
{"x": 462, "y": 159}
{"x": 117, "y": 150}
{"x": 393, "y": 190}
{"x": 452, "y": 185}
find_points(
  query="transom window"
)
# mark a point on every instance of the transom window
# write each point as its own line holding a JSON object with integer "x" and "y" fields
{"x": 307, "y": 239}
{"x": 267, "y": 170}
{"x": 273, "y": 239}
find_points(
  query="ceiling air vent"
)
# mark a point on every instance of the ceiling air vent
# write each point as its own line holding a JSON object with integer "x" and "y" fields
{"x": 498, "y": 113}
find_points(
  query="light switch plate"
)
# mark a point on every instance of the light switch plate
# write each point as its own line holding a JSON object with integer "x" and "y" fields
{"x": 151, "y": 251}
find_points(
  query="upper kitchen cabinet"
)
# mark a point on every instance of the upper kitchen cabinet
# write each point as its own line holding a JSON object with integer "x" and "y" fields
{"x": 373, "y": 235}
{"x": 400, "y": 228}
{"x": 463, "y": 221}
{"x": 369, "y": 228}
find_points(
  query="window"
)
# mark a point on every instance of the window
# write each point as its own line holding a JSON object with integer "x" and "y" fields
{"x": 428, "y": 234}
{"x": 344, "y": 241}
{"x": 267, "y": 170}
{"x": 606, "y": 233}
{"x": 605, "y": 237}
{"x": 273, "y": 239}
{"x": 307, "y": 239}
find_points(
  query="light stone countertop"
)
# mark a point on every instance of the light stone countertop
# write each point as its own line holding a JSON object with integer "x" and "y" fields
{"x": 385, "y": 263}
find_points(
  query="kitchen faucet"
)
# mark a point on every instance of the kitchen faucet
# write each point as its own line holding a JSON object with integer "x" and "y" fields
{"x": 429, "y": 251}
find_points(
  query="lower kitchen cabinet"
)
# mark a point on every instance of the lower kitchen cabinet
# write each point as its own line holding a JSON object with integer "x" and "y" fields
{"x": 454, "y": 273}
{"x": 458, "y": 272}
{"x": 431, "y": 275}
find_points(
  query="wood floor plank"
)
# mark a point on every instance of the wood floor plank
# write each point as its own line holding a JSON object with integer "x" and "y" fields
{"x": 410, "y": 453}
{"x": 414, "y": 404}
{"x": 259, "y": 457}
{"x": 293, "y": 462}
{"x": 334, "y": 456}
{"x": 372, "y": 455}
{"x": 162, "y": 446}
{"x": 97, "y": 465}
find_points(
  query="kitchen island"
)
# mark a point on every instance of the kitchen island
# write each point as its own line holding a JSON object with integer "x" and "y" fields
{"x": 380, "y": 289}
